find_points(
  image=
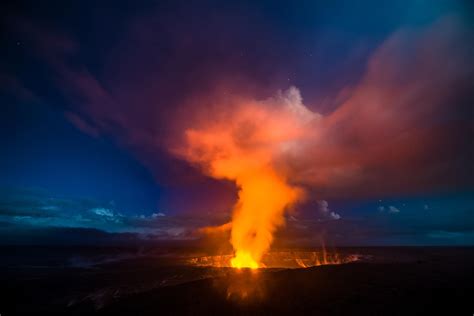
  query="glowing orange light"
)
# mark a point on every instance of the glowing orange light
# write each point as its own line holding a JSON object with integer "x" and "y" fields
{"x": 263, "y": 197}
{"x": 243, "y": 260}
{"x": 243, "y": 147}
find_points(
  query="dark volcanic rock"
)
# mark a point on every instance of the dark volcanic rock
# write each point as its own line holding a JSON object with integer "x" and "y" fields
{"x": 395, "y": 281}
{"x": 442, "y": 285}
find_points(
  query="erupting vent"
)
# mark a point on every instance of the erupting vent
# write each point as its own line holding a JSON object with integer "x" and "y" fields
{"x": 281, "y": 259}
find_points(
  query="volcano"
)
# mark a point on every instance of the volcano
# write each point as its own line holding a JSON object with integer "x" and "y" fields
{"x": 280, "y": 259}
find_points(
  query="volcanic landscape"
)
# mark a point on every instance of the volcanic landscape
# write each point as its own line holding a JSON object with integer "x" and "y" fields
{"x": 240, "y": 157}
{"x": 118, "y": 281}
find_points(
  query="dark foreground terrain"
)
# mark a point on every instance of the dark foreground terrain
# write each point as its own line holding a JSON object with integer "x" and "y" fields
{"x": 388, "y": 281}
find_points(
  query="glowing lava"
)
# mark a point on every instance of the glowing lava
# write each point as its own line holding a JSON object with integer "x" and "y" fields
{"x": 244, "y": 145}
{"x": 243, "y": 260}
{"x": 280, "y": 260}
{"x": 263, "y": 197}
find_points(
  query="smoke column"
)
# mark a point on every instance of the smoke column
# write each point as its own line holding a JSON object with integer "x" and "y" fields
{"x": 243, "y": 145}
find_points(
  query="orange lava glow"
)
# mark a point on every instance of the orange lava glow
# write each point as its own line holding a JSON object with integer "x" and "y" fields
{"x": 263, "y": 198}
{"x": 280, "y": 259}
{"x": 242, "y": 146}
{"x": 243, "y": 260}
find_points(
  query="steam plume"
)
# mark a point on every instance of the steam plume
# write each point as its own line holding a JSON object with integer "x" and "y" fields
{"x": 243, "y": 145}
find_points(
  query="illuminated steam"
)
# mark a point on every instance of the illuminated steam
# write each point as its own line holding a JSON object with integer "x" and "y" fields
{"x": 243, "y": 145}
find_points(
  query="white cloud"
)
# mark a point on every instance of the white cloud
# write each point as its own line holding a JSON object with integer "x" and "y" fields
{"x": 49, "y": 208}
{"x": 292, "y": 100}
{"x": 176, "y": 231}
{"x": 393, "y": 209}
{"x": 323, "y": 208}
{"x": 155, "y": 215}
{"x": 334, "y": 216}
{"x": 103, "y": 212}
{"x": 390, "y": 209}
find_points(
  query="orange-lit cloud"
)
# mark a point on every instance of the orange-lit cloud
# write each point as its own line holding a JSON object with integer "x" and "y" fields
{"x": 396, "y": 131}
{"x": 391, "y": 122}
{"x": 242, "y": 143}
{"x": 401, "y": 128}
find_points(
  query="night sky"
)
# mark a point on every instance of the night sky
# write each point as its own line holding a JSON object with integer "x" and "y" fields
{"x": 95, "y": 97}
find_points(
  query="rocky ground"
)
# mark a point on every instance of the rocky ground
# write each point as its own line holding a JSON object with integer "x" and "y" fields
{"x": 391, "y": 281}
